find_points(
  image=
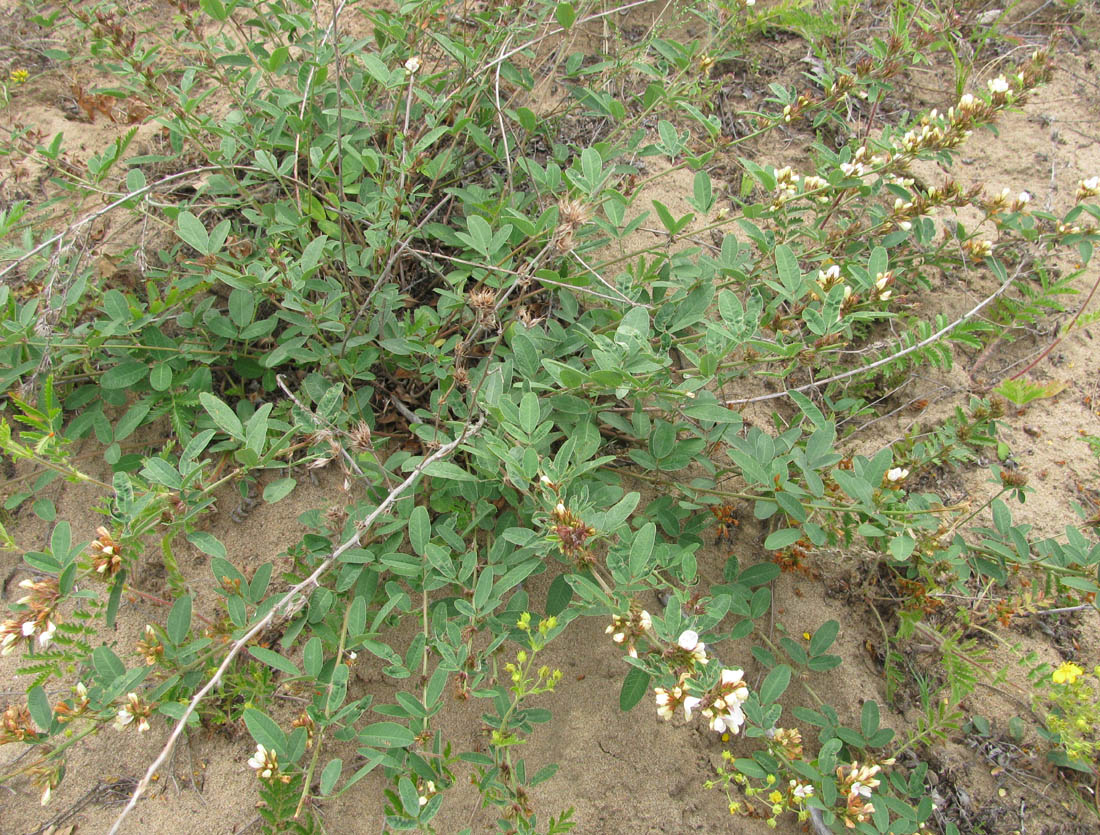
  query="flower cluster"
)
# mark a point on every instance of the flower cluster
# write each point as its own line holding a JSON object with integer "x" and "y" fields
{"x": 572, "y": 533}
{"x": 106, "y": 553}
{"x": 66, "y": 712}
{"x": 135, "y": 711}
{"x": 266, "y": 763}
{"x": 720, "y": 703}
{"x": 149, "y": 647}
{"x": 572, "y": 215}
{"x": 897, "y": 474}
{"x": 16, "y": 725}
{"x": 1088, "y": 188}
{"x": 857, "y": 783}
{"x": 36, "y": 620}
{"x": 18, "y": 76}
{"x": 626, "y": 629}
{"x": 1004, "y": 200}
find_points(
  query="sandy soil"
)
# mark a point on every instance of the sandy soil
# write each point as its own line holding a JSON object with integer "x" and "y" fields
{"x": 632, "y": 772}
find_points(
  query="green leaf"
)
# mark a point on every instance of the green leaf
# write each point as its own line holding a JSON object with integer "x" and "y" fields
{"x": 160, "y": 378}
{"x": 824, "y": 636}
{"x": 775, "y": 685}
{"x": 641, "y": 549}
{"x": 410, "y": 800}
{"x": 448, "y": 470}
{"x": 386, "y": 735}
{"x": 278, "y": 490}
{"x": 420, "y": 529}
{"x": 313, "y": 657}
{"x": 330, "y": 774}
{"x": 124, "y": 376}
{"x": 558, "y": 595}
{"x": 869, "y": 718}
{"x": 782, "y": 538}
{"x": 223, "y": 416}
{"x": 529, "y": 412}
{"x": 634, "y": 688}
{"x": 242, "y": 307}
{"x": 179, "y": 620}
{"x": 207, "y": 543}
{"x": 38, "y": 703}
{"x": 618, "y": 514}
{"x": 565, "y": 14}
{"x": 192, "y": 232}
{"x": 484, "y": 588}
{"x": 265, "y": 731}
{"x": 1021, "y": 392}
{"x": 592, "y": 168}
{"x": 274, "y": 660}
{"x": 787, "y": 264}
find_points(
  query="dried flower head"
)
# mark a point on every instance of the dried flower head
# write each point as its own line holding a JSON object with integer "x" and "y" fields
{"x": 360, "y": 438}
{"x": 572, "y": 215}
{"x": 16, "y": 725}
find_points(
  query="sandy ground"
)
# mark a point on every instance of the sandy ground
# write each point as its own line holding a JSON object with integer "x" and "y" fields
{"x": 632, "y": 772}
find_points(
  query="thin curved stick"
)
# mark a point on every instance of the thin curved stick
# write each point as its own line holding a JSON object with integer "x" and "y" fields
{"x": 100, "y": 212}
{"x": 863, "y": 369}
{"x": 284, "y": 605}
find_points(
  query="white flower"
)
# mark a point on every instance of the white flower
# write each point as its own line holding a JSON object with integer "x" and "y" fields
{"x": 802, "y": 791}
{"x": 646, "y": 620}
{"x": 897, "y": 474}
{"x": 859, "y": 789}
{"x": 690, "y": 703}
{"x": 1023, "y": 198}
{"x": 265, "y": 761}
{"x": 688, "y": 640}
{"x": 666, "y": 701}
{"x": 46, "y": 794}
{"x": 47, "y": 634}
{"x": 412, "y": 65}
{"x": 827, "y": 278}
{"x": 257, "y": 759}
{"x": 733, "y": 683}
{"x": 998, "y": 85}
{"x": 28, "y": 628}
{"x": 730, "y": 721}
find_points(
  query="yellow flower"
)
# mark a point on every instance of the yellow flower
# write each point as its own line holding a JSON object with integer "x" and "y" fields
{"x": 1067, "y": 673}
{"x": 18, "y": 76}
